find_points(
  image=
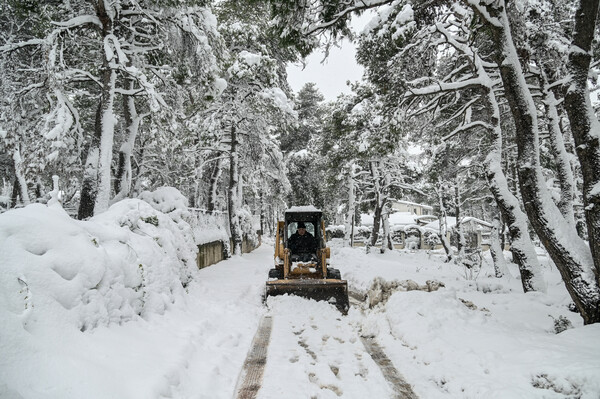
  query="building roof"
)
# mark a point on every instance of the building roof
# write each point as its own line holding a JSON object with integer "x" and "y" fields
{"x": 412, "y": 204}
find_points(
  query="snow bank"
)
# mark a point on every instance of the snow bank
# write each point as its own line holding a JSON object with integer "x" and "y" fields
{"x": 471, "y": 338}
{"x": 167, "y": 200}
{"x": 130, "y": 261}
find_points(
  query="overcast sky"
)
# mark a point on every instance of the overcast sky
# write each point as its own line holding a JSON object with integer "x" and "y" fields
{"x": 332, "y": 74}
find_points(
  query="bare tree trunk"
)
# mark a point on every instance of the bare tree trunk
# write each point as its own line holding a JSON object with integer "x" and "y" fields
{"x": 460, "y": 241}
{"x": 379, "y": 202}
{"x": 386, "y": 239}
{"x": 90, "y": 174}
{"x": 106, "y": 141}
{"x": 522, "y": 247}
{"x": 349, "y": 225}
{"x": 96, "y": 186}
{"x": 14, "y": 196}
{"x": 107, "y": 118}
{"x": 214, "y": 185}
{"x": 124, "y": 170}
{"x": 443, "y": 222}
{"x": 500, "y": 267}
{"x": 262, "y": 213}
{"x": 584, "y": 125}
{"x": 561, "y": 158}
{"x": 233, "y": 200}
{"x": 20, "y": 181}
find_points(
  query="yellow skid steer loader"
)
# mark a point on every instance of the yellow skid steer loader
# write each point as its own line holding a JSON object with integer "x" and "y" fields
{"x": 301, "y": 260}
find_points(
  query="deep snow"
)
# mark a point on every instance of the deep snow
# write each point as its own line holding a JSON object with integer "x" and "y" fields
{"x": 470, "y": 339}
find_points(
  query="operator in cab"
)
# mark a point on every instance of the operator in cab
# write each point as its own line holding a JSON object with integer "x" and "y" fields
{"x": 303, "y": 245}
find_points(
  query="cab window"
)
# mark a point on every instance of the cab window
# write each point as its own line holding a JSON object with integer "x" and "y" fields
{"x": 293, "y": 227}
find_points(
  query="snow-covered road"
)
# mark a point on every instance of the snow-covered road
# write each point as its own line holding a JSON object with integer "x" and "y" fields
{"x": 471, "y": 339}
{"x": 313, "y": 352}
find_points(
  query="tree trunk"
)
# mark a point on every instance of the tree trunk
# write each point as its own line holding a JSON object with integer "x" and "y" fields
{"x": 20, "y": 181}
{"x": 262, "y": 213}
{"x": 500, "y": 267}
{"x": 379, "y": 202}
{"x": 233, "y": 200}
{"x": 570, "y": 254}
{"x": 107, "y": 127}
{"x": 584, "y": 125}
{"x": 561, "y": 157}
{"x": 14, "y": 197}
{"x": 522, "y": 247}
{"x": 214, "y": 185}
{"x": 386, "y": 239}
{"x": 90, "y": 174}
{"x": 124, "y": 171}
{"x": 460, "y": 241}
{"x": 96, "y": 184}
{"x": 349, "y": 225}
{"x": 443, "y": 223}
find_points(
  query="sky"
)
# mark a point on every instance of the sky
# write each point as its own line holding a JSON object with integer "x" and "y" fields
{"x": 331, "y": 74}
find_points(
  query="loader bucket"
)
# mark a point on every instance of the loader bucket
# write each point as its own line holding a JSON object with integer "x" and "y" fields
{"x": 332, "y": 290}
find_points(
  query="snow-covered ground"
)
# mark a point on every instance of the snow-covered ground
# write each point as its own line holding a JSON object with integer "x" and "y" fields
{"x": 82, "y": 319}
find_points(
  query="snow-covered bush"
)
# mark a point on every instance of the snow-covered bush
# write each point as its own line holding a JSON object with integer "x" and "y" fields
{"x": 335, "y": 231}
{"x": 431, "y": 238}
{"x": 129, "y": 261}
{"x": 247, "y": 226}
{"x": 362, "y": 233}
{"x": 168, "y": 200}
{"x": 397, "y": 234}
{"x": 561, "y": 323}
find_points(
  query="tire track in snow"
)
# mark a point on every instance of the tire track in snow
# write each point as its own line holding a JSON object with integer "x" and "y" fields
{"x": 401, "y": 387}
{"x": 326, "y": 351}
{"x": 250, "y": 379}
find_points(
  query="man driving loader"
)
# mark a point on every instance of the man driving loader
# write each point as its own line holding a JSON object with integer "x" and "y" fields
{"x": 303, "y": 245}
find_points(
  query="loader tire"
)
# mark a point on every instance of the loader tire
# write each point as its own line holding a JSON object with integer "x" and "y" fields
{"x": 274, "y": 273}
{"x": 334, "y": 273}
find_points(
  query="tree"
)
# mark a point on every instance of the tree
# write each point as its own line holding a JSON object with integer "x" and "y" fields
{"x": 251, "y": 111}
{"x": 305, "y": 171}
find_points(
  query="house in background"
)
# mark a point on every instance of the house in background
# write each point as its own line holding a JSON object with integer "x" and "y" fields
{"x": 411, "y": 207}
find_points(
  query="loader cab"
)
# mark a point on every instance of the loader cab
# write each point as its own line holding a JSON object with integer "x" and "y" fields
{"x": 312, "y": 219}
{"x": 291, "y": 266}
{"x": 293, "y": 228}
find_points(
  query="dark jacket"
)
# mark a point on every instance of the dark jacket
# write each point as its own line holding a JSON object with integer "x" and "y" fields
{"x": 301, "y": 244}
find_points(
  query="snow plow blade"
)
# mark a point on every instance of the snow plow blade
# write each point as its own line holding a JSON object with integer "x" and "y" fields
{"x": 331, "y": 290}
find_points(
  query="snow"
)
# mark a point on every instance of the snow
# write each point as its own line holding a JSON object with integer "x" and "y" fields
{"x": 79, "y": 21}
{"x": 167, "y": 200}
{"x": 396, "y": 219}
{"x": 220, "y": 85}
{"x": 303, "y": 208}
{"x": 471, "y": 338}
{"x": 250, "y": 58}
{"x": 279, "y": 99}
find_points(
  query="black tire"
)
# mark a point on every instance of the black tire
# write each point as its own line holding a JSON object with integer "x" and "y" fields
{"x": 275, "y": 273}
{"x": 334, "y": 273}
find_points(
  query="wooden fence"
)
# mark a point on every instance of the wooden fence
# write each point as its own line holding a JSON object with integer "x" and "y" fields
{"x": 216, "y": 251}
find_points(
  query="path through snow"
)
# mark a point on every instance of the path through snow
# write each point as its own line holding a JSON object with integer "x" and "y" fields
{"x": 502, "y": 345}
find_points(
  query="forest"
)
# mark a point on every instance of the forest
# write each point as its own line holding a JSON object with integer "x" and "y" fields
{"x": 479, "y": 108}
